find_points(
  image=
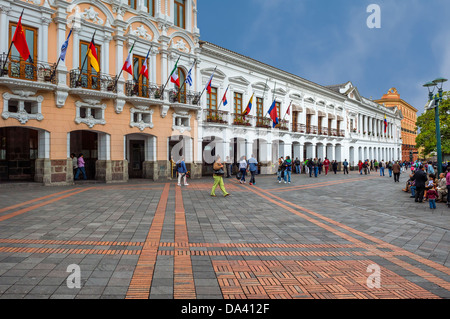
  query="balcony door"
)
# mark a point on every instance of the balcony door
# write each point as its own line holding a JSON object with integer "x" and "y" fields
{"x": 19, "y": 68}
{"x": 141, "y": 84}
{"x": 90, "y": 79}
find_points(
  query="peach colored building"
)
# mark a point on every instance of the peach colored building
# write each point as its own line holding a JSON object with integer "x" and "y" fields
{"x": 392, "y": 99}
{"x": 125, "y": 127}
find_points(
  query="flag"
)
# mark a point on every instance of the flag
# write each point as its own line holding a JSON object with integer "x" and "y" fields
{"x": 273, "y": 113}
{"x": 385, "y": 123}
{"x": 288, "y": 112}
{"x": 62, "y": 56}
{"x": 249, "y": 107}
{"x": 92, "y": 53}
{"x": 144, "y": 69}
{"x": 20, "y": 41}
{"x": 189, "y": 77}
{"x": 208, "y": 86}
{"x": 224, "y": 99}
{"x": 174, "y": 75}
{"x": 128, "y": 65}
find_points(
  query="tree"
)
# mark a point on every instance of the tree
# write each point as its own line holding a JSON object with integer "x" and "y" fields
{"x": 427, "y": 127}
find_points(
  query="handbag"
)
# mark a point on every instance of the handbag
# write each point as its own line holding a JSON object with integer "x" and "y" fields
{"x": 219, "y": 171}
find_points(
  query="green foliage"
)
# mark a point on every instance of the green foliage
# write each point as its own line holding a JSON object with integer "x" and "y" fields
{"x": 427, "y": 126}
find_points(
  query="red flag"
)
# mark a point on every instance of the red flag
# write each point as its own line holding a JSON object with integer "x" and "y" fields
{"x": 20, "y": 41}
{"x": 288, "y": 112}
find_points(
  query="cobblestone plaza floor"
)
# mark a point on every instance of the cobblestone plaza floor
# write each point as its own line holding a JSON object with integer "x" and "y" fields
{"x": 330, "y": 237}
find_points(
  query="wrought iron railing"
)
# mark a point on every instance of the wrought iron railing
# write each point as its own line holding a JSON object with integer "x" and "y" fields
{"x": 184, "y": 97}
{"x": 312, "y": 129}
{"x": 151, "y": 91}
{"x": 263, "y": 122}
{"x": 298, "y": 128}
{"x": 214, "y": 116}
{"x": 93, "y": 81}
{"x": 242, "y": 120}
{"x": 283, "y": 125}
{"x": 16, "y": 67}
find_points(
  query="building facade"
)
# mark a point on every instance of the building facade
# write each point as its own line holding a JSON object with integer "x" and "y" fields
{"x": 130, "y": 126}
{"x": 409, "y": 130}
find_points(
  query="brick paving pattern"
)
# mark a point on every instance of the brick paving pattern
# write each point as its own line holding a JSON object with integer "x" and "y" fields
{"x": 316, "y": 238}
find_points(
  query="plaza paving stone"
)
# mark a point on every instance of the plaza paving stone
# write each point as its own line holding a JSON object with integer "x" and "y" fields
{"x": 315, "y": 238}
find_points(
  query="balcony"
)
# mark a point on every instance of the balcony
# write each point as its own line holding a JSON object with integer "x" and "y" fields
{"x": 298, "y": 128}
{"x": 15, "y": 71}
{"x": 241, "y": 120}
{"x": 184, "y": 97}
{"x": 311, "y": 129}
{"x": 215, "y": 117}
{"x": 92, "y": 81}
{"x": 283, "y": 125}
{"x": 263, "y": 122}
{"x": 149, "y": 91}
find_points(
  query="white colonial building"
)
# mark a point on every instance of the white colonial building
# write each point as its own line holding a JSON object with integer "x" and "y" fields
{"x": 334, "y": 122}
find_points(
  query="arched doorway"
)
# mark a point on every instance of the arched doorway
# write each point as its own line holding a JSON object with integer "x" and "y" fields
{"x": 86, "y": 143}
{"x": 140, "y": 152}
{"x": 19, "y": 149}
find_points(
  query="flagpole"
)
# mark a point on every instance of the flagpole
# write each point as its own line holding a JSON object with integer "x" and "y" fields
{"x": 221, "y": 101}
{"x": 9, "y": 50}
{"x": 164, "y": 87}
{"x": 199, "y": 98}
{"x": 184, "y": 82}
{"x": 85, "y": 58}
{"x": 121, "y": 70}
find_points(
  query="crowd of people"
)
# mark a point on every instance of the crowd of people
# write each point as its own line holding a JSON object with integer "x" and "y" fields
{"x": 424, "y": 185}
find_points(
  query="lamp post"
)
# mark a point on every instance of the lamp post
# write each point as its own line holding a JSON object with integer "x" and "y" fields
{"x": 434, "y": 102}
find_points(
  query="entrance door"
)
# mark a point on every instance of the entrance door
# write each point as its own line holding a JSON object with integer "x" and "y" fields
{"x": 137, "y": 157}
{"x": 85, "y": 142}
{"x": 18, "y": 152}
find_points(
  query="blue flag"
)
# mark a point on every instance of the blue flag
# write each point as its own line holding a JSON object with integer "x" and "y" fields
{"x": 64, "y": 47}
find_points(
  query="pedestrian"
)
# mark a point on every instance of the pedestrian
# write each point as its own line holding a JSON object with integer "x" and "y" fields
{"x": 315, "y": 165}
{"x": 447, "y": 178}
{"x": 382, "y": 167}
{"x": 81, "y": 167}
{"x": 432, "y": 194}
{"x": 252, "y": 167}
{"x": 310, "y": 167}
{"x": 228, "y": 166}
{"x": 360, "y": 167}
{"x": 287, "y": 170}
{"x": 74, "y": 163}
{"x": 430, "y": 169}
{"x": 396, "y": 170}
{"x": 326, "y": 165}
{"x": 389, "y": 165}
{"x": 297, "y": 163}
{"x": 441, "y": 188}
{"x": 375, "y": 164}
{"x": 182, "y": 171}
{"x": 320, "y": 165}
{"x": 345, "y": 166}
{"x": 218, "y": 178}
{"x": 334, "y": 165}
{"x": 307, "y": 166}
{"x": 243, "y": 169}
{"x": 280, "y": 169}
{"x": 420, "y": 178}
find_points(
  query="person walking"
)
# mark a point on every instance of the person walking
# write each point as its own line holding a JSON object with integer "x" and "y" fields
{"x": 287, "y": 170}
{"x": 382, "y": 167}
{"x": 81, "y": 168}
{"x": 396, "y": 169}
{"x": 218, "y": 178}
{"x": 334, "y": 165}
{"x": 243, "y": 169}
{"x": 182, "y": 171}
{"x": 306, "y": 165}
{"x": 360, "y": 167}
{"x": 345, "y": 166}
{"x": 315, "y": 166}
{"x": 420, "y": 178}
{"x": 326, "y": 165}
{"x": 253, "y": 168}
{"x": 375, "y": 165}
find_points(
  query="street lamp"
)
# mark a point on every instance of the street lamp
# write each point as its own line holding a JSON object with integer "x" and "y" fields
{"x": 434, "y": 102}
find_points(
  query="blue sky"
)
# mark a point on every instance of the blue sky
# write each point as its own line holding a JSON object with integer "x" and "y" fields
{"x": 329, "y": 42}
